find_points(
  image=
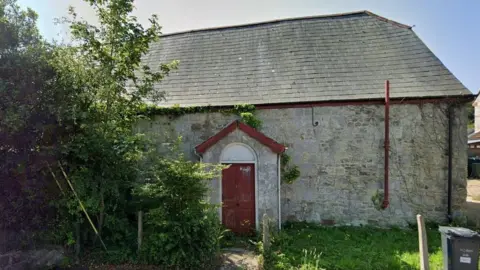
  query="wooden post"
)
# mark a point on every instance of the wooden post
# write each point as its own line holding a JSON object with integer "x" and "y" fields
{"x": 140, "y": 230}
{"x": 77, "y": 241}
{"x": 266, "y": 233}
{"x": 422, "y": 243}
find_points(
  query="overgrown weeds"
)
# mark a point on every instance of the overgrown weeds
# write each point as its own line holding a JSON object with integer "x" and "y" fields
{"x": 310, "y": 246}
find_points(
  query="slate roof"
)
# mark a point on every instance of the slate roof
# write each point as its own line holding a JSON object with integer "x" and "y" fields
{"x": 321, "y": 58}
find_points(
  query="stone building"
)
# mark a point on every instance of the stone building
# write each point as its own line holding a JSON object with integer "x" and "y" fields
{"x": 474, "y": 137}
{"x": 318, "y": 86}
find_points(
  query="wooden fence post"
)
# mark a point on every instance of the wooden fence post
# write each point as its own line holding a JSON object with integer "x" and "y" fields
{"x": 140, "y": 230}
{"x": 266, "y": 233}
{"x": 422, "y": 243}
{"x": 77, "y": 241}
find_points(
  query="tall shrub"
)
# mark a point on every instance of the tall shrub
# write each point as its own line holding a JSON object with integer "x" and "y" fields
{"x": 103, "y": 72}
{"x": 29, "y": 133}
{"x": 182, "y": 229}
{"x": 106, "y": 158}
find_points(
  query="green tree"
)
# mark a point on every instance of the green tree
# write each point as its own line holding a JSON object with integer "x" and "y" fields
{"x": 27, "y": 119}
{"x": 102, "y": 70}
{"x": 78, "y": 104}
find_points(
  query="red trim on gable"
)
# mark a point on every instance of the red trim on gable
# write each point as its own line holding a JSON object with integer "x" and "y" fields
{"x": 269, "y": 142}
{"x": 201, "y": 148}
{"x": 255, "y": 134}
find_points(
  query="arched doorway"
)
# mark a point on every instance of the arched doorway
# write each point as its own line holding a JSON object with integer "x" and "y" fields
{"x": 238, "y": 188}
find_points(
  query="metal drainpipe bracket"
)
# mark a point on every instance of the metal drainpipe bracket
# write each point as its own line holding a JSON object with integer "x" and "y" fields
{"x": 314, "y": 123}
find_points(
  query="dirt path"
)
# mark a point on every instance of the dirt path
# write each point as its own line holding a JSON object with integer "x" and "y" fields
{"x": 473, "y": 190}
{"x": 231, "y": 259}
{"x": 473, "y": 202}
{"x": 237, "y": 258}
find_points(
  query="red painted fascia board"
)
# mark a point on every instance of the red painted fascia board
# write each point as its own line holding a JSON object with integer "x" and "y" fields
{"x": 462, "y": 99}
{"x": 201, "y": 148}
{"x": 269, "y": 142}
{"x": 260, "y": 137}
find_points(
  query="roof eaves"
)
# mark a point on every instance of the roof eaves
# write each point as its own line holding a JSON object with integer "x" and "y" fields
{"x": 473, "y": 134}
{"x": 395, "y": 100}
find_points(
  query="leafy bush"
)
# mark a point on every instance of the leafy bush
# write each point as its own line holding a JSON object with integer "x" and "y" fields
{"x": 72, "y": 115}
{"x": 189, "y": 244}
{"x": 101, "y": 72}
{"x": 28, "y": 135}
{"x": 181, "y": 228}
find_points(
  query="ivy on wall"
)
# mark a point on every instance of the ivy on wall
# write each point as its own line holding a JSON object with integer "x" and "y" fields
{"x": 377, "y": 199}
{"x": 290, "y": 172}
{"x": 245, "y": 111}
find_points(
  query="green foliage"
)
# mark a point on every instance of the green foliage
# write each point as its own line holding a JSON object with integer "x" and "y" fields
{"x": 250, "y": 119}
{"x": 28, "y": 134}
{"x": 349, "y": 248}
{"x": 230, "y": 239}
{"x": 289, "y": 172}
{"x": 176, "y": 110}
{"x": 102, "y": 72}
{"x": 460, "y": 220}
{"x": 245, "y": 111}
{"x": 18, "y": 28}
{"x": 181, "y": 229}
{"x": 85, "y": 99}
{"x": 377, "y": 199}
{"x": 190, "y": 241}
{"x": 79, "y": 102}
{"x": 310, "y": 260}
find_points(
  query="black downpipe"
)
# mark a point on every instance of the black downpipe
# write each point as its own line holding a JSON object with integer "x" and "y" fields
{"x": 449, "y": 202}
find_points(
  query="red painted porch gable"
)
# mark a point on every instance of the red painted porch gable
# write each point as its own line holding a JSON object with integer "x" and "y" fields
{"x": 255, "y": 134}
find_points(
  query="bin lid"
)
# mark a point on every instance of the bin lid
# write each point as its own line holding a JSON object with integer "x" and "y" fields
{"x": 459, "y": 232}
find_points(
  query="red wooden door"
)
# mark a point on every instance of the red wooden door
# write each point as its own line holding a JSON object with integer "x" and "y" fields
{"x": 238, "y": 197}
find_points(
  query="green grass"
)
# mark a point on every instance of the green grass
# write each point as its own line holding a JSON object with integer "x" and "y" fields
{"x": 307, "y": 246}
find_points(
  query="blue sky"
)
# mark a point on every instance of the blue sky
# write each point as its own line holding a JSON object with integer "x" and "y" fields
{"x": 451, "y": 29}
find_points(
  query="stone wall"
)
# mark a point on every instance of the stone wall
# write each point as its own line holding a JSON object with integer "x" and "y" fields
{"x": 476, "y": 113}
{"x": 52, "y": 258}
{"x": 19, "y": 251}
{"x": 341, "y": 160}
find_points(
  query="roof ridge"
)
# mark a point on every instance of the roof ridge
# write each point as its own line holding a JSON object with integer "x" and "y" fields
{"x": 388, "y": 20}
{"x": 290, "y": 19}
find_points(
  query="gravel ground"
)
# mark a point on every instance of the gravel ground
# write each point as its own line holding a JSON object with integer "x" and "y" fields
{"x": 473, "y": 189}
{"x": 473, "y": 202}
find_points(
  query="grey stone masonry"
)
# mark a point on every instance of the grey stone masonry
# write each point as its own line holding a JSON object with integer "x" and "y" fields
{"x": 342, "y": 159}
{"x": 52, "y": 258}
